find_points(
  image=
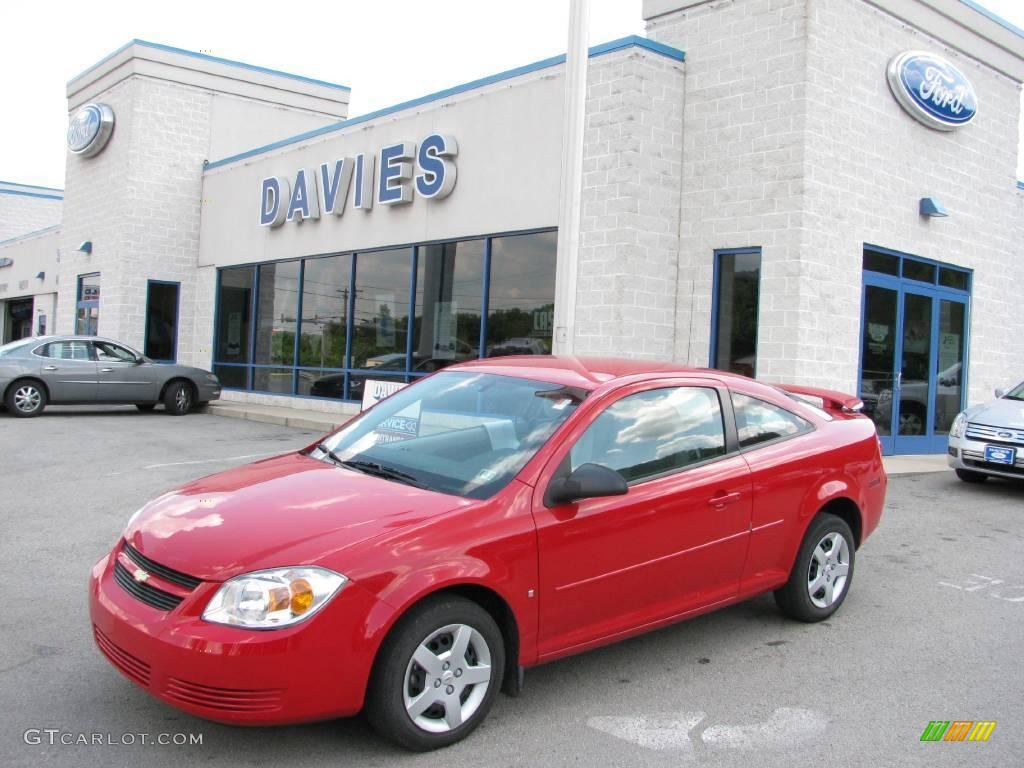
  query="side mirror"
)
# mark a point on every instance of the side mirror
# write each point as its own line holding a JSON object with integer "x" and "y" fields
{"x": 588, "y": 481}
{"x": 1000, "y": 392}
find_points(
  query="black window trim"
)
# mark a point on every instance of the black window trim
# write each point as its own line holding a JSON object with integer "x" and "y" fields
{"x": 812, "y": 427}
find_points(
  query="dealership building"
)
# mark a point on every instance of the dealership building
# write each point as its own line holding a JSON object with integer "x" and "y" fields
{"x": 819, "y": 192}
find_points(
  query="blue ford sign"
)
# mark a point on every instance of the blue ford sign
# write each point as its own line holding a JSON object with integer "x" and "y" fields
{"x": 89, "y": 129}
{"x": 932, "y": 90}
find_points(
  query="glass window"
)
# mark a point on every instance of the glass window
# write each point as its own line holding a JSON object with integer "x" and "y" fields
{"x": 885, "y": 263}
{"x": 325, "y": 289}
{"x": 277, "y": 380}
{"x": 113, "y": 353}
{"x": 654, "y": 432}
{"x": 234, "y": 314}
{"x": 381, "y": 317}
{"x": 87, "y": 310}
{"x": 521, "y": 299}
{"x": 466, "y": 434}
{"x": 161, "y": 321}
{"x": 232, "y": 376}
{"x": 734, "y": 346}
{"x": 68, "y": 350}
{"x": 759, "y": 422}
{"x": 949, "y": 364}
{"x": 918, "y": 270}
{"x": 449, "y": 293}
{"x": 276, "y": 308}
{"x": 954, "y": 278}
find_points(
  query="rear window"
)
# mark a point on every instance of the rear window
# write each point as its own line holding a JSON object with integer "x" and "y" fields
{"x": 760, "y": 422}
{"x": 14, "y": 346}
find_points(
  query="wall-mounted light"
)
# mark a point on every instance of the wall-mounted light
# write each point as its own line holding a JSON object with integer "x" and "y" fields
{"x": 929, "y": 206}
{"x": 41, "y": 276}
{"x": 85, "y": 247}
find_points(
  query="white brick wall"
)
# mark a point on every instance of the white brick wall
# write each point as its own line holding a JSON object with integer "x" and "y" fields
{"x": 21, "y": 214}
{"x": 792, "y": 142}
{"x": 629, "y": 228}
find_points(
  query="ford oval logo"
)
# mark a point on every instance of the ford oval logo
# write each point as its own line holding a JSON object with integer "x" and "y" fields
{"x": 1005, "y": 435}
{"x": 90, "y": 129}
{"x": 932, "y": 90}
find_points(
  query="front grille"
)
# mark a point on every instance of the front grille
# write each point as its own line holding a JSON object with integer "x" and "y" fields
{"x": 977, "y": 459}
{"x": 147, "y": 593}
{"x": 165, "y": 573}
{"x": 133, "y": 667}
{"x": 990, "y": 434}
{"x": 224, "y": 699}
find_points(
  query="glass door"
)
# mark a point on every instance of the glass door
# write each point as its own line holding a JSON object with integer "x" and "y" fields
{"x": 913, "y": 348}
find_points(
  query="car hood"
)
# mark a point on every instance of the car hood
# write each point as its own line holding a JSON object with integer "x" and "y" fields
{"x": 288, "y": 510}
{"x": 999, "y": 413}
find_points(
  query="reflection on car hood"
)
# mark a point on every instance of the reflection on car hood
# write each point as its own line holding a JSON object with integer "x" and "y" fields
{"x": 999, "y": 413}
{"x": 288, "y": 510}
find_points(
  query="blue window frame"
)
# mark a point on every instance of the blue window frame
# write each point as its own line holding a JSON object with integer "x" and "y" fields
{"x": 734, "y": 314}
{"x": 394, "y": 313}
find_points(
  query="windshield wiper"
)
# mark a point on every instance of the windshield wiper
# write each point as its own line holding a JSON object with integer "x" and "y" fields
{"x": 322, "y": 447}
{"x": 379, "y": 470}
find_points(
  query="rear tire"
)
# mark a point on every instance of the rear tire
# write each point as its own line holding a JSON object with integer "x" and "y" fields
{"x": 423, "y": 707}
{"x": 971, "y": 477}
{"x": 25, "y": 398}
{"x": 145, "y": 407}
{"x": 823, "y": 571}
{"x": 178, "y": 398}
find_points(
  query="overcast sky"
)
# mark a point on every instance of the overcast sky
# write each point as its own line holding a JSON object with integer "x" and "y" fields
{"x": 387, "y": 51}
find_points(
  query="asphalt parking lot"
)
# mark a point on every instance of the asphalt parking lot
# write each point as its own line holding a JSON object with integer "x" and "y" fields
{"x": 932, "y": 630}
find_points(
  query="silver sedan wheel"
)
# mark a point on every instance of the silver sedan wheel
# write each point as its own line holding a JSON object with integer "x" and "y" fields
{"x": 828, "y": 570}
{"x": 182, "y": 398}
{"x": 447, "y": 678}
{"x": 27, "y": 398}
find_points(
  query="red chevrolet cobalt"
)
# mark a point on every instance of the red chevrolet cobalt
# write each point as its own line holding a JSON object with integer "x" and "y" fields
{"x": 491, "y": 517}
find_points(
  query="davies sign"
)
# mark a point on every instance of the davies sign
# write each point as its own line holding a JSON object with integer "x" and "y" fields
{"x": 932, "y": 90}
{"x": 324, "y": 190}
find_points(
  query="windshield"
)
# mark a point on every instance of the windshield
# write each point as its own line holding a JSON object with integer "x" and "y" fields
{"x": 14, "y": 346}
{"x": 466, "y": 434}
{"x": 1017, "y": 393}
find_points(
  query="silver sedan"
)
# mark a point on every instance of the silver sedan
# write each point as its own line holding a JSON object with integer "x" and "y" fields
{"x": 988, "y": 439}
{"x": 76, "y": 370}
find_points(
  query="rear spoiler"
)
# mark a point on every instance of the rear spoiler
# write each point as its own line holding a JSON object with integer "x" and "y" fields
{"x": 830, "y": 399}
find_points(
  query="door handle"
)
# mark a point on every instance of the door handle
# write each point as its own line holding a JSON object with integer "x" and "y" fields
{"x": 721, "y": 500}
{"x": 106, "y": 370}
{"x": 49, "y": 367}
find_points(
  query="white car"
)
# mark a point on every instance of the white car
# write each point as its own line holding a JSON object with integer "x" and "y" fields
{"x": 988, "y": 439}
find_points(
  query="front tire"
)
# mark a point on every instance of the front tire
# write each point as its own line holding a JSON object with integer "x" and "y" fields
{"x": 436, "y": 675}
{"x": 25, "y": 399}
{"x": 971, "y": 477}
{"x": 178, "y": 398}
{"x": 823, "y": 571}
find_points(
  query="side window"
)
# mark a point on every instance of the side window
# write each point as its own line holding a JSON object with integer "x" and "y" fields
{"x": 759, "y": 422}
{"x": 654, "y": 432}
{"x": 112, "y": 353}
{"x": 67, "y": 350}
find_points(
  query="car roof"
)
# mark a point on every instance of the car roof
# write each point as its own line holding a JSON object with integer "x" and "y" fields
{"x": 587, "y": 372}
{"x": 74, "y": 337}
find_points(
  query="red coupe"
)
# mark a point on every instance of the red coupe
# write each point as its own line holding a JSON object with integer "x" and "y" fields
{"x": 491, "y": 517}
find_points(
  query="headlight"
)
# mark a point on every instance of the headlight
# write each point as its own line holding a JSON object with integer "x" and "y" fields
{"x": 212, "y": 377}
{"x": 959, "y": 425}
{"x": 278, "y": 597}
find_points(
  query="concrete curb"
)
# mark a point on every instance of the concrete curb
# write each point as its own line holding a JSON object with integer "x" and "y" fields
{"x": 282, "y": 417}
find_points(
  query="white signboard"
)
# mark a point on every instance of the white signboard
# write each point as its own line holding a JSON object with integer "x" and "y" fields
{"x": 375, "y": 390}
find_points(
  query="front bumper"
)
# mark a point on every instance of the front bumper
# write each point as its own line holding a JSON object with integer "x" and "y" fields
{"x": 207, "y": 391}
{"x": 313, "y": 671}
{"x": 969, "y": 454}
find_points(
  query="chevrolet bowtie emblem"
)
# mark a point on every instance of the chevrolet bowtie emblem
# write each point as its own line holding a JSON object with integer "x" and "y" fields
{"x": 140, "y": 575}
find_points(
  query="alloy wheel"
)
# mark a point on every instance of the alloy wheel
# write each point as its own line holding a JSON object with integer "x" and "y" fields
{"x": 182, "y": 398}
{"x": 828, "y": 570}
{"x": 447, "y": 678}
{"x": 27, "y": 398}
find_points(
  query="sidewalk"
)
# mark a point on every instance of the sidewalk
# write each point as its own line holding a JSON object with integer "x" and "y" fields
{"x": 328, "y": 422}
{"x": 284, "y": 417}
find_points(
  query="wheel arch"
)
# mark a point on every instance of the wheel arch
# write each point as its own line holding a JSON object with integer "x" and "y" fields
{"x": 845, "y": 509}
{"x": 487, "y": 598}
{"x": 28, "y": 377}
{"x": 175, "y": 379}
